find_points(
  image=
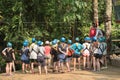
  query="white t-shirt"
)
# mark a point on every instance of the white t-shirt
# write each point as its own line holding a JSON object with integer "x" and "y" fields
{"x": 33, "y": 51}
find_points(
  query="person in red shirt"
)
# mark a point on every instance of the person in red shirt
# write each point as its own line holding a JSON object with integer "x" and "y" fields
{"x": 93, "y": 30}
{"x": 47, "y": 53}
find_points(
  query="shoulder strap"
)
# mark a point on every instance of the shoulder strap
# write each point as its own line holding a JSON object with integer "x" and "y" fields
{"x": 40, "y": 53}
{"x": 104, "y": 47}
{"x": 63, "y": 47}
{"x": 100, "y": 47}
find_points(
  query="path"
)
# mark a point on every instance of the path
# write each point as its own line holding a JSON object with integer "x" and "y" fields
{"x": 112, "y": 73}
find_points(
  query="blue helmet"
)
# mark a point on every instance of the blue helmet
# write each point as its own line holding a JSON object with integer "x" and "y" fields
{"x": 62, "y": 39}
{"x": 26, "y": 41}
{"x": 39, "y": 43}
{"x": 54, "y": 42}
{"x": 87, "y": 39}
{"x": 9, "y": 44}
{"x": 69, "y": 41}
{"x": 94, "y": 38}
{"x": 25, "y": 44}
{"x": 77, "y": 39}
{"x": 33, "y": 40}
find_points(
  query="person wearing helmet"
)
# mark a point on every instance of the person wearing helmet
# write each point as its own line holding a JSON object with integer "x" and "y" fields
{"x": 54, "y": 53}
{"x": 97, "y": 54}
{"x": 70, "y": 52}
{"x": 9, "y": 56}
{"x": 77, "y": 47}
{"x": 63, "y": 50}
{"x": 104, "y": 59}
{"x": 41, "y": 57}
{"x": 33, "y": 54}
{"x": 86, "y": 53}
{"x": 47, "y": 53}
{"x": 25, "y": 57}
{"x": 26, "y": 41}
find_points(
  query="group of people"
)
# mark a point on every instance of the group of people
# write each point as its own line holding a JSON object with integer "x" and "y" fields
{"x": 90, "y": 55}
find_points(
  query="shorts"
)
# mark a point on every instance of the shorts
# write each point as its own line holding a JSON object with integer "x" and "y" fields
{"x": 25, "y": 61}
{"x": 55, "y": 59}
{"x": 99, "y": 56}
{"x": 68, "y": 59}
{"x": 64, "y": 60}
{"x": 33, "y": 60}
{"x": 86, "y": 54}
{"x": 62, "y": 57}
{"x": 41, "y": 63}
{"x": 76, "y": 55}
{"x": 48, "y": 56}
{"x": 8, "y": 61}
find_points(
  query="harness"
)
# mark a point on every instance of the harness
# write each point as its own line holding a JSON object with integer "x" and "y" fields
{"x": 63, "y": 48}
{"x": 86, "y": 48}
{"x": 99, "y": 48}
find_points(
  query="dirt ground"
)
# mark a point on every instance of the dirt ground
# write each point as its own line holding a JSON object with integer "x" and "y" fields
{"x": 112, "y": 73}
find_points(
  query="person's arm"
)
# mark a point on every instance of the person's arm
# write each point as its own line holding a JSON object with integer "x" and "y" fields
{"x": 13, "y": 54}
{"x": 3, "y": 52}
{"x": 61, "y": 51}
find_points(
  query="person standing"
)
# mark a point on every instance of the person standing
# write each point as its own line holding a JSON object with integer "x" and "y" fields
{"x": 41, "y": 57}
{"x": 33, "y": 54}
{"x": 25, "y": 57}
{"x": 86, "y": 53}
{"x": 104, "y": 50}
{"x": 97, "y": 53}
{"x": 70, "y": 53}
{"x": 47, "y": 53}
{"x": 63, "y": 50}
{"x": 54, "y": 54}
{"x": 9, "y": 57}
{"x": 77, "y": 47}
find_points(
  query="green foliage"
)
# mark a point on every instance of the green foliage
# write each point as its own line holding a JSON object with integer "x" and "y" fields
{"x": 48, "y": 19}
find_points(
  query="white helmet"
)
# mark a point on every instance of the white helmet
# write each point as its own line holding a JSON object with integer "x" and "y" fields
{"x": 47, "y": 42}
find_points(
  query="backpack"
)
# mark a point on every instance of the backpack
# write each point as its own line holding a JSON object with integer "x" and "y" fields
{"x": 70, "y": 52}
{"x": 92, "y": 32}
{"x": 24, "y": 56}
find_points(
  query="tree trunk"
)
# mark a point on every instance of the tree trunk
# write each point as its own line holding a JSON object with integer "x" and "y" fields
{"x": 108, "y": 16}
{"x": 95, "y": 12}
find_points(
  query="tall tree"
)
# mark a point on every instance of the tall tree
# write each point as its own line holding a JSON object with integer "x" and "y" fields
{"x": 95, "y": 11}
{"x": 108, "y": 16}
